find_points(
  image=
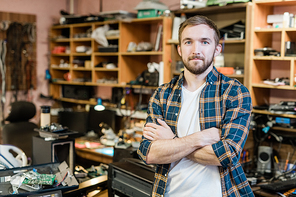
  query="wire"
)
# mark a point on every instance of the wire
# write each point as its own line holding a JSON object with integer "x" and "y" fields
{"x": 63, "y": 179}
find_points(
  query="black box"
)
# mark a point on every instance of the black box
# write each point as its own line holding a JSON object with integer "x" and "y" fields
{"x": 54, "y": 151}
{"x": 112, "y": 48}
{"x": 77, "y": 92}
{"x": 130, "y": 177}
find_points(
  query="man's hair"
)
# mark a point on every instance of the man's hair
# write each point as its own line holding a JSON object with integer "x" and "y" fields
{"x": 198, "y": 20}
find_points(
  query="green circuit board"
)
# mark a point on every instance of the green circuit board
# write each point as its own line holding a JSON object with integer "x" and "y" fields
{"x": 43, "y": 179}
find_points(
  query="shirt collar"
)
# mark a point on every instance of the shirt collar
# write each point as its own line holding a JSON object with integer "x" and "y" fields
{"x": 212, "y": 77}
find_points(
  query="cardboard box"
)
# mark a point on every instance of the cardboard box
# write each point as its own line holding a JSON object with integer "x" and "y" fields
{"x": 87, "y": 64}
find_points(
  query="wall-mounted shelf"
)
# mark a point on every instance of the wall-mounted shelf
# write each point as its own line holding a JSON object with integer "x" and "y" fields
{"x": 271, "y": 67}
{"x": 129, "y": 65}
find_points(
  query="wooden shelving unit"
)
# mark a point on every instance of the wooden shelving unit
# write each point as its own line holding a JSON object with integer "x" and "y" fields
{"x": 236, "y": 52}
{"x": 271, "y": 67}
{"x": 129, "y": 64}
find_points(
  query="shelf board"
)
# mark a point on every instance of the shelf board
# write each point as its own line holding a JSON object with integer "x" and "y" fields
{"x": 275, "y": 2}
{"x": 60, "y": 68}
{"x": 214, "y": 9}
{"x": 80, "y": 54}
{"x": 106, "y": 69}
{"x": 61, "y": 40}
{"x": 60, "y": 54}
{"x": 106, "y": 53}
{"x": 82, "y": 69}
{"x": 81, "y": 39}
{"x": 273, "y": 58}
{"x": 143, "y": 53}
{"x": 103, "y": 84}
{"x": 69, "y": 83}
{"x": 273, "y": 114}
{"x": 235, "y": 76}
{"x": 78, "y": 101}
{"x": 266, "y": 30}
{"x": 62, "y": 82}
{"x": 275, "y": 30}
{"x": 232, "y": 41}
{"x": 262, "y": 85}
{"x": 284, "y": 128}
{"x": 112, "y": 37}
{"x": 86, "y": 24}
{"x": 60, "y": 26}
{"x": 145, "y": 20}
{"x": 139, "y": 86}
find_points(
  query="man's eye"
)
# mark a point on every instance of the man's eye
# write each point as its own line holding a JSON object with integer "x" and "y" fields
{"x": 188, "y": 42}
{"x": 205, "y": 42}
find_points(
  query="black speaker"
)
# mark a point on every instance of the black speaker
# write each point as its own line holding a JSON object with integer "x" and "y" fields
{"x": 264, "y": 159}
{"x": 77, "y": 92}
{"x": 117, "y": 94}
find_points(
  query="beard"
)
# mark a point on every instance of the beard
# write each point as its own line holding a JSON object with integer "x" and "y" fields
{"x": 194, "y": 67}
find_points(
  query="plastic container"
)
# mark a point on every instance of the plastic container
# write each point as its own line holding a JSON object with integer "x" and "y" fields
{"x": 45, "y": 116}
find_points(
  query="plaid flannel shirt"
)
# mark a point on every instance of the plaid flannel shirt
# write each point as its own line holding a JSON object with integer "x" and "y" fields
{"x": 224, "y": 103}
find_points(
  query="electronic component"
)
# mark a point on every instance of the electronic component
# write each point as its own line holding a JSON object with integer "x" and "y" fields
{"x": 33, "y": 178}
{"x": 280, "y": 186}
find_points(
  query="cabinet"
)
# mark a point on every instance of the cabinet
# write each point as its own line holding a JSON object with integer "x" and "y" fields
{"x": 235, "y": 51}
{"x": 271, "y": 67}
{"x": 67, "y": 67}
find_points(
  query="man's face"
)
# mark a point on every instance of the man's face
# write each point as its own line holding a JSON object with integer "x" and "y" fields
{"x": 198, "y": 48}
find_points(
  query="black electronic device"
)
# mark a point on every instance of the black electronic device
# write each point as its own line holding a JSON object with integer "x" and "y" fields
{"x": 233, "y": 31}
{"x": 130, "y": 177}
{"x": 284, "y": 107}
{"x": 279, "y": 185}
{"x": 266, "y": 51}
{"x": 54, "y": 151}
{"x": 74, "y": 120}
{"x": 77, "y": 92}
{"x": 117, "y": 94}
{"x": 147, "y": 78}
{"x": 290, "y": 49}
{"x": 121, "y": 153}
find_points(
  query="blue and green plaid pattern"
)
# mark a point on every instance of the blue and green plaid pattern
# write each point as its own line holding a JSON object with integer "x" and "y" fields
{"x": 224, "y": 103}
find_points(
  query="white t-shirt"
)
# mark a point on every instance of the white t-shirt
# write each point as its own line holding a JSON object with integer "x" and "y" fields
{"x": 188, "y": 178}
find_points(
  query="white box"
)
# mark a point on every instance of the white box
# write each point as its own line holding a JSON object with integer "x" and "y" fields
{"x": 275, "y": 18}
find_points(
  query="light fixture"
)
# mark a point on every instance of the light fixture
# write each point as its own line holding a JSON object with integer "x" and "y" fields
{"x": 99, "y": 106}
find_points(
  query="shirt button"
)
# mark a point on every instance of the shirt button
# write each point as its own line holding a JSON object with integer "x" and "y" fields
{"x": 176, "y": 114}
{"x": 211, "y": 83}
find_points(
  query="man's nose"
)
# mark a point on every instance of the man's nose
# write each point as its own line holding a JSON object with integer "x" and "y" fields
{"x": 196, "y": 48}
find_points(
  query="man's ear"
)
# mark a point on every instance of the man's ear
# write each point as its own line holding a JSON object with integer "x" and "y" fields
{"x": 218, "y": 49}
{"x": 179, "y": 50}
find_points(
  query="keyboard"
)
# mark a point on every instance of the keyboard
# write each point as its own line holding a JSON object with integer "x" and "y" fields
{"x": 280, "y": 185}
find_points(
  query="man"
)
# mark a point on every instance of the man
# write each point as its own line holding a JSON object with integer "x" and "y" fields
{"x": 198, "y": 123}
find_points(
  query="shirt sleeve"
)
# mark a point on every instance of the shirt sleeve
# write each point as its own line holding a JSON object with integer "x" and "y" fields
{"x": 154, "y": 112}
{"x": 235, "y": 127}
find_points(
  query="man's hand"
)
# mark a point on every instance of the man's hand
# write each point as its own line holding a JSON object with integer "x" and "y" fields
{"x": 210, "y": 136}
{"x": 153, "y": 131}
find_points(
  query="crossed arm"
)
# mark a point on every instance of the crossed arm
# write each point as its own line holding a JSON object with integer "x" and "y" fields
{"x": 165, "y": 149}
